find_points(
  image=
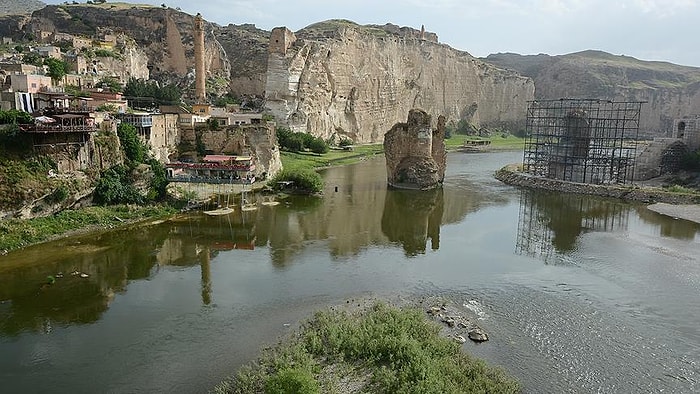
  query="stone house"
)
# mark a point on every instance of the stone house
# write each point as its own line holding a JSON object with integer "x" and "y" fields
{"x": 50, "y": 51}
{"x": 30, "y": 83}
{"x": 687, "y": 129}
{"x": 225, "y": 118}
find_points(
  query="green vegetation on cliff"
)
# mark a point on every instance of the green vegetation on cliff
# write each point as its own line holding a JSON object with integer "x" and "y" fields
{"x": 23, "y": 176}
{"x": 116, "y": 185}
{"x": 383, "y": 349}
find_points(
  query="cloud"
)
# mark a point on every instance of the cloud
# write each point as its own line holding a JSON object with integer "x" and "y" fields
{"x": 661, "y": 8}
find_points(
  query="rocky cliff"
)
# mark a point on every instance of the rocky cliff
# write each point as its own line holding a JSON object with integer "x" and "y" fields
{"x": 246, "y": 50}
{"x": 670, "y": 91}
{"x": 164, "y": 34}
{"x": 16, "y": 7}
{"x": 337, "y": 79}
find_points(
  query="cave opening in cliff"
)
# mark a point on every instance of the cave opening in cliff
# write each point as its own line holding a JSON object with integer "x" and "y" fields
{"x": 582, "y": 140}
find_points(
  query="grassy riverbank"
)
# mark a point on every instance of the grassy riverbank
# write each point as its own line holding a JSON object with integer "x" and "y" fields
{"x": 381, "y": 349}
{"x": 18, "y": 233}
{"x": 336, "y": 157}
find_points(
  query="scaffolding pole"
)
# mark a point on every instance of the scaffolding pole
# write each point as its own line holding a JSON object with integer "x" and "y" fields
{"x": 582, "y": 140}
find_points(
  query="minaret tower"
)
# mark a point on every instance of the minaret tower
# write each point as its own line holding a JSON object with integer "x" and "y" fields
{"x": 200, "y": 91}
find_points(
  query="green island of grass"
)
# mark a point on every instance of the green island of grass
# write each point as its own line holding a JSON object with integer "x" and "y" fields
{"x": 380, "y": 349}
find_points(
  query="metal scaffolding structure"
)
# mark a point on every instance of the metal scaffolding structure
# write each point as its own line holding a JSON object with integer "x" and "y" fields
{"x": 582, "y": 140}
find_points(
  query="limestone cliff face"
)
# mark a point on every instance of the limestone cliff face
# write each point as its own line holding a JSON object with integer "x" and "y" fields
{"x": 132, "y": 62}
{"x": 337, "y": 79}
{"x": 246, "y": 49}
{"x": 670, "y": 91}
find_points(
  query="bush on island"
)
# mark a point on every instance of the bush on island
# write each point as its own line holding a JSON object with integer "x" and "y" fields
{"x": 307, "y": 181}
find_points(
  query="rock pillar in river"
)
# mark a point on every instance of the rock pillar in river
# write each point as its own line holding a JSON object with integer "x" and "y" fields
{"x": 415, "y": 152}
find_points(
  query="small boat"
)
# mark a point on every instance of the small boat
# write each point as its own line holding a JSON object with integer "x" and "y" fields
{"x": 474, "y": 146}
{"x": 248, "y": 206}
{"x": 245, "y": 204}
{"x": 270, "y": 202}
{"x": 219, "y": 212}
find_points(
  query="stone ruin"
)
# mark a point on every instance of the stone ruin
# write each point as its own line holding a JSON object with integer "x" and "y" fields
{"x": 415, "y": 152}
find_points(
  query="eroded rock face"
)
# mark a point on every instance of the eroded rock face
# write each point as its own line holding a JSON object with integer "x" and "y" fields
{"x": 415, "y": 159}
{"x": 258, "y": 141}
{"x": 339, "y": 80}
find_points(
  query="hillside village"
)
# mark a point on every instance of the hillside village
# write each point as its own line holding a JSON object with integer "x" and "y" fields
{"x": 79, "y": 89}
{"x": 62, "y": 74}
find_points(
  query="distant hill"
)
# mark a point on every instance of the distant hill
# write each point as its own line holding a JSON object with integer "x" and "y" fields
{"x": 19, "y": 7}
{"x": 669, "y": 90}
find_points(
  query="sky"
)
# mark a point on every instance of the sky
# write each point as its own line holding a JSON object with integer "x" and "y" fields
{"x": 665, "y": 30}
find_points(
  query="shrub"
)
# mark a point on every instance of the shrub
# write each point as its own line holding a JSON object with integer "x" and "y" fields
{"x": 114, "y": 187}
{"x": 317, "y": 145}
{"x": 292, "y": 381}
{"x": 58, "y": 195}
{"x": 398, "y": 349}
{"x": 307, "y": 180}
{"x": 344, "y": 142}
{"x": 134, "y": 149}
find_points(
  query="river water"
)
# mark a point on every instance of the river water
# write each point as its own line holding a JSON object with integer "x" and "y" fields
{"x": 578, "y": 294}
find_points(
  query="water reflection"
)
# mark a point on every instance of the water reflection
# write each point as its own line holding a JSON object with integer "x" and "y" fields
{"x": 411, "y": 217}
{"x": 669, "y": 227}
{"x": 550, "y": 223}
{"x": 361, "y": 215}
{"x": 42, "y": 287}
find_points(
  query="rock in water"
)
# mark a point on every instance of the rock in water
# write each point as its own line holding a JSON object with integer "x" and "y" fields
{"x": 478, "y": 335}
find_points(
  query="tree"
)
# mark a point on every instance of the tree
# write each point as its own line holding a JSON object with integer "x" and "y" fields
{"x": 57, "y": 68}
{"x": 147, "y": 93}
{"x": 110, "y": 83}
{"x": 114, "y": 187}
{"x": 33, "y": 59}
{"x": 318, "y": 145}
{"x": 14, "y": 116}
{"x": 134, "y": 149}
{"x": 305, "y": 180}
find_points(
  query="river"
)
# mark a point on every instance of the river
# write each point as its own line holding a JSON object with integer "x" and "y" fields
{"x": 578, "y": 294}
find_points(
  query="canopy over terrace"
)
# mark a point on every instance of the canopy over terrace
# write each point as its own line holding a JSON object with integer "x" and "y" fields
{"x": 214, "y": 169}
{"x": 63, "y": 123}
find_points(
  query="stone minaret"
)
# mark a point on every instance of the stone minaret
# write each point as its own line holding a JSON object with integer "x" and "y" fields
{"x": 199, "y": 71}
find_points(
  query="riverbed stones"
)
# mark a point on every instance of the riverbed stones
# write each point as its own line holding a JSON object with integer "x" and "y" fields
{"x": 456, "y": 325}
{"x": 478, "y": 335}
